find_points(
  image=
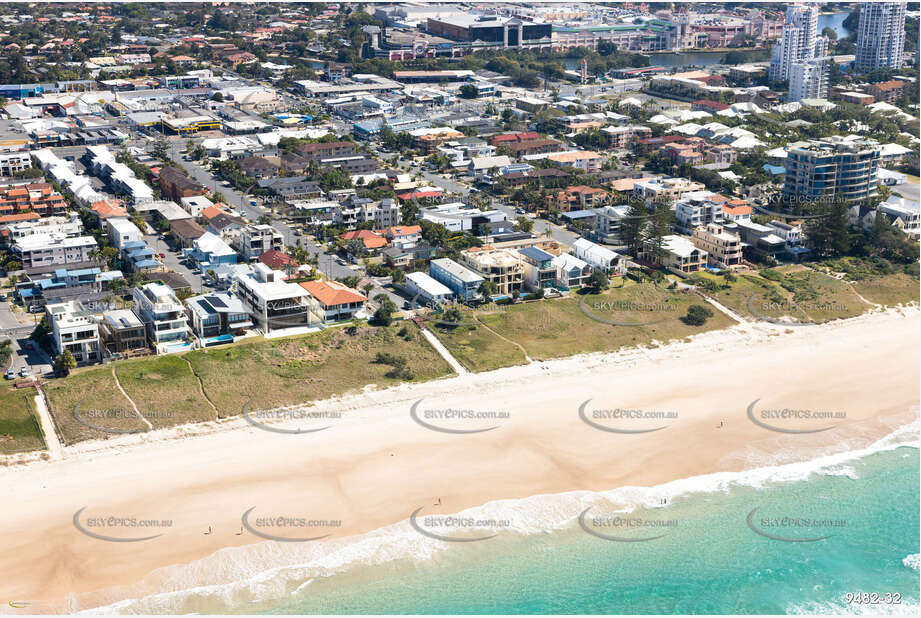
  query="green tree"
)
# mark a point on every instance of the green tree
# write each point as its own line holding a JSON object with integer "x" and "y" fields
{"x": 697, "y": 315}
{"x": 64, "y": 363}
{"x": 598, "y": 281}
{"x": 631, "y": 227}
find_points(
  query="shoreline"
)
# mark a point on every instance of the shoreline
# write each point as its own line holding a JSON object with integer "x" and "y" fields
{"x": 375, "y": 466}
{"x": 302, "y": 569}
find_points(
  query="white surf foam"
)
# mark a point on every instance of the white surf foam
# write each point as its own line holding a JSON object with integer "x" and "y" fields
{"x": 269, "y": 571}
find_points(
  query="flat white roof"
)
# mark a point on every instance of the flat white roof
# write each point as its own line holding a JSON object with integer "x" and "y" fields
{"x": 428, "y": 285}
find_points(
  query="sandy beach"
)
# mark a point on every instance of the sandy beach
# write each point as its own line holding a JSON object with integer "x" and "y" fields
{"x": 376, "y": 465}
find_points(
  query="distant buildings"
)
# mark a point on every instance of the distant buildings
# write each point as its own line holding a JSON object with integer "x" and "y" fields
{"x": 797, "y": 42}
{"x": 880, "y": 36}
{"x": 800, "y": 56}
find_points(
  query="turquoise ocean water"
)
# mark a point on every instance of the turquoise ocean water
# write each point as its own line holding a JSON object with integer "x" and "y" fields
{"x": 714, "y": 555}
{"x": 710, "y": 561}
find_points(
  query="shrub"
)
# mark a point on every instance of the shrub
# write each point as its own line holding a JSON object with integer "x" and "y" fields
{"x": 697, "y": 315}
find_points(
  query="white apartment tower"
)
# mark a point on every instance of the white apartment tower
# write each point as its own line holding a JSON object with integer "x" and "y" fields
{"x": 798, "y": 41}
{"x": 880, "y": 35}
{"x": 809, "y": 79}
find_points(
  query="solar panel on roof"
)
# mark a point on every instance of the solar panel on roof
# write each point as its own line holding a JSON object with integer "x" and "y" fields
{"x": 217, "y": 302}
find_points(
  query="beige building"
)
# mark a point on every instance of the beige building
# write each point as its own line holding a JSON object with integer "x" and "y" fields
{"x": 664, "y": 189}
{"x": 500, "y": 266}
{"x": 724, "y": 248}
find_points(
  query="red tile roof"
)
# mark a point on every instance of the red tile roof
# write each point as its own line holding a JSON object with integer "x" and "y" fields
{"x": 332, "y": 293}
{"x": 276, "y": 260}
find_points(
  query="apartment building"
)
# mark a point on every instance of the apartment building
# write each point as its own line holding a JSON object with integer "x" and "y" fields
{"x": 587, "y": 160}
{"x": 314, "y": 152}
{"x": 889, "y": 91}
{"x": 724, "y": 248}
{"x": 797, "y": 40}
{"x": 664, "y": 190}
{"x": 38, "y": 197}
{"x": 162, "y": 313}
{"x": 45, "y": 251}
{"x": 254, "y": 240}
{"x": 625, "y": 136}
{"x": 176, "y": 185}
{"x": 697, "y": 208}
{"x": 608, "y": 224}
{"x": 122, "y": 231}
{"x": 831, "y": 167}
{"x": 463, "y": 282}
{"x": 11, "y": 163}
{"x": 73, "y": 328}
{"x": 501, "y": 267}
{"x": 880, "y": 36}
{"x": 579, "y": 197}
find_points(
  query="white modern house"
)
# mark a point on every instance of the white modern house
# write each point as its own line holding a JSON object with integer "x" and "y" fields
{"x": 599, "y": 257}
{"x": 273, "y": 303}
{"x": 122, "y": 231}
{"x": 163, "y": 316}
{"x": 571, "y": 271}
{"x": 73, "y": 328}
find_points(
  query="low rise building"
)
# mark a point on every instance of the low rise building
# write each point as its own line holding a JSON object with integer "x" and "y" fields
{"x": 46, "y": 251}
{"x": 539, "y": 270}
{"x": 571, "y": 271}
{"x": 463, "y": 282}
{"x": 598, "y": 257}
{"x": 678, "y": 254}
{"x": 217, "y": 317}
{"x": 336, "y": 301}
{"x": 123, "y": 333}
{"x": 427, "y": 289}
{"x": 272, "y": 302}
{"x": 254, "y": 240}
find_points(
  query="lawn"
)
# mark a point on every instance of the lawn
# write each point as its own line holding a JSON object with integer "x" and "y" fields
{"x": 788, "y": 292}
{"x": 554, "y": 328}
{"x": 165, "y": 390}
{"x": 877, "y": 280}
{"x": 100, "y": 404}
{"x": 336, "y": 361}
{"x": 475, "y": 346}
{"x": 272, "y": 373}
{"x": 889, "y": 290}
{"x": 19, "y": 429}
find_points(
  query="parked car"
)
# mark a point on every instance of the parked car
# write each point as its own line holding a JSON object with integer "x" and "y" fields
{"x": 10, "y": 374}
{"x": 162, "y": 255}
{"x": 36, "y": 309}
{"x": 23, "y": 372}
